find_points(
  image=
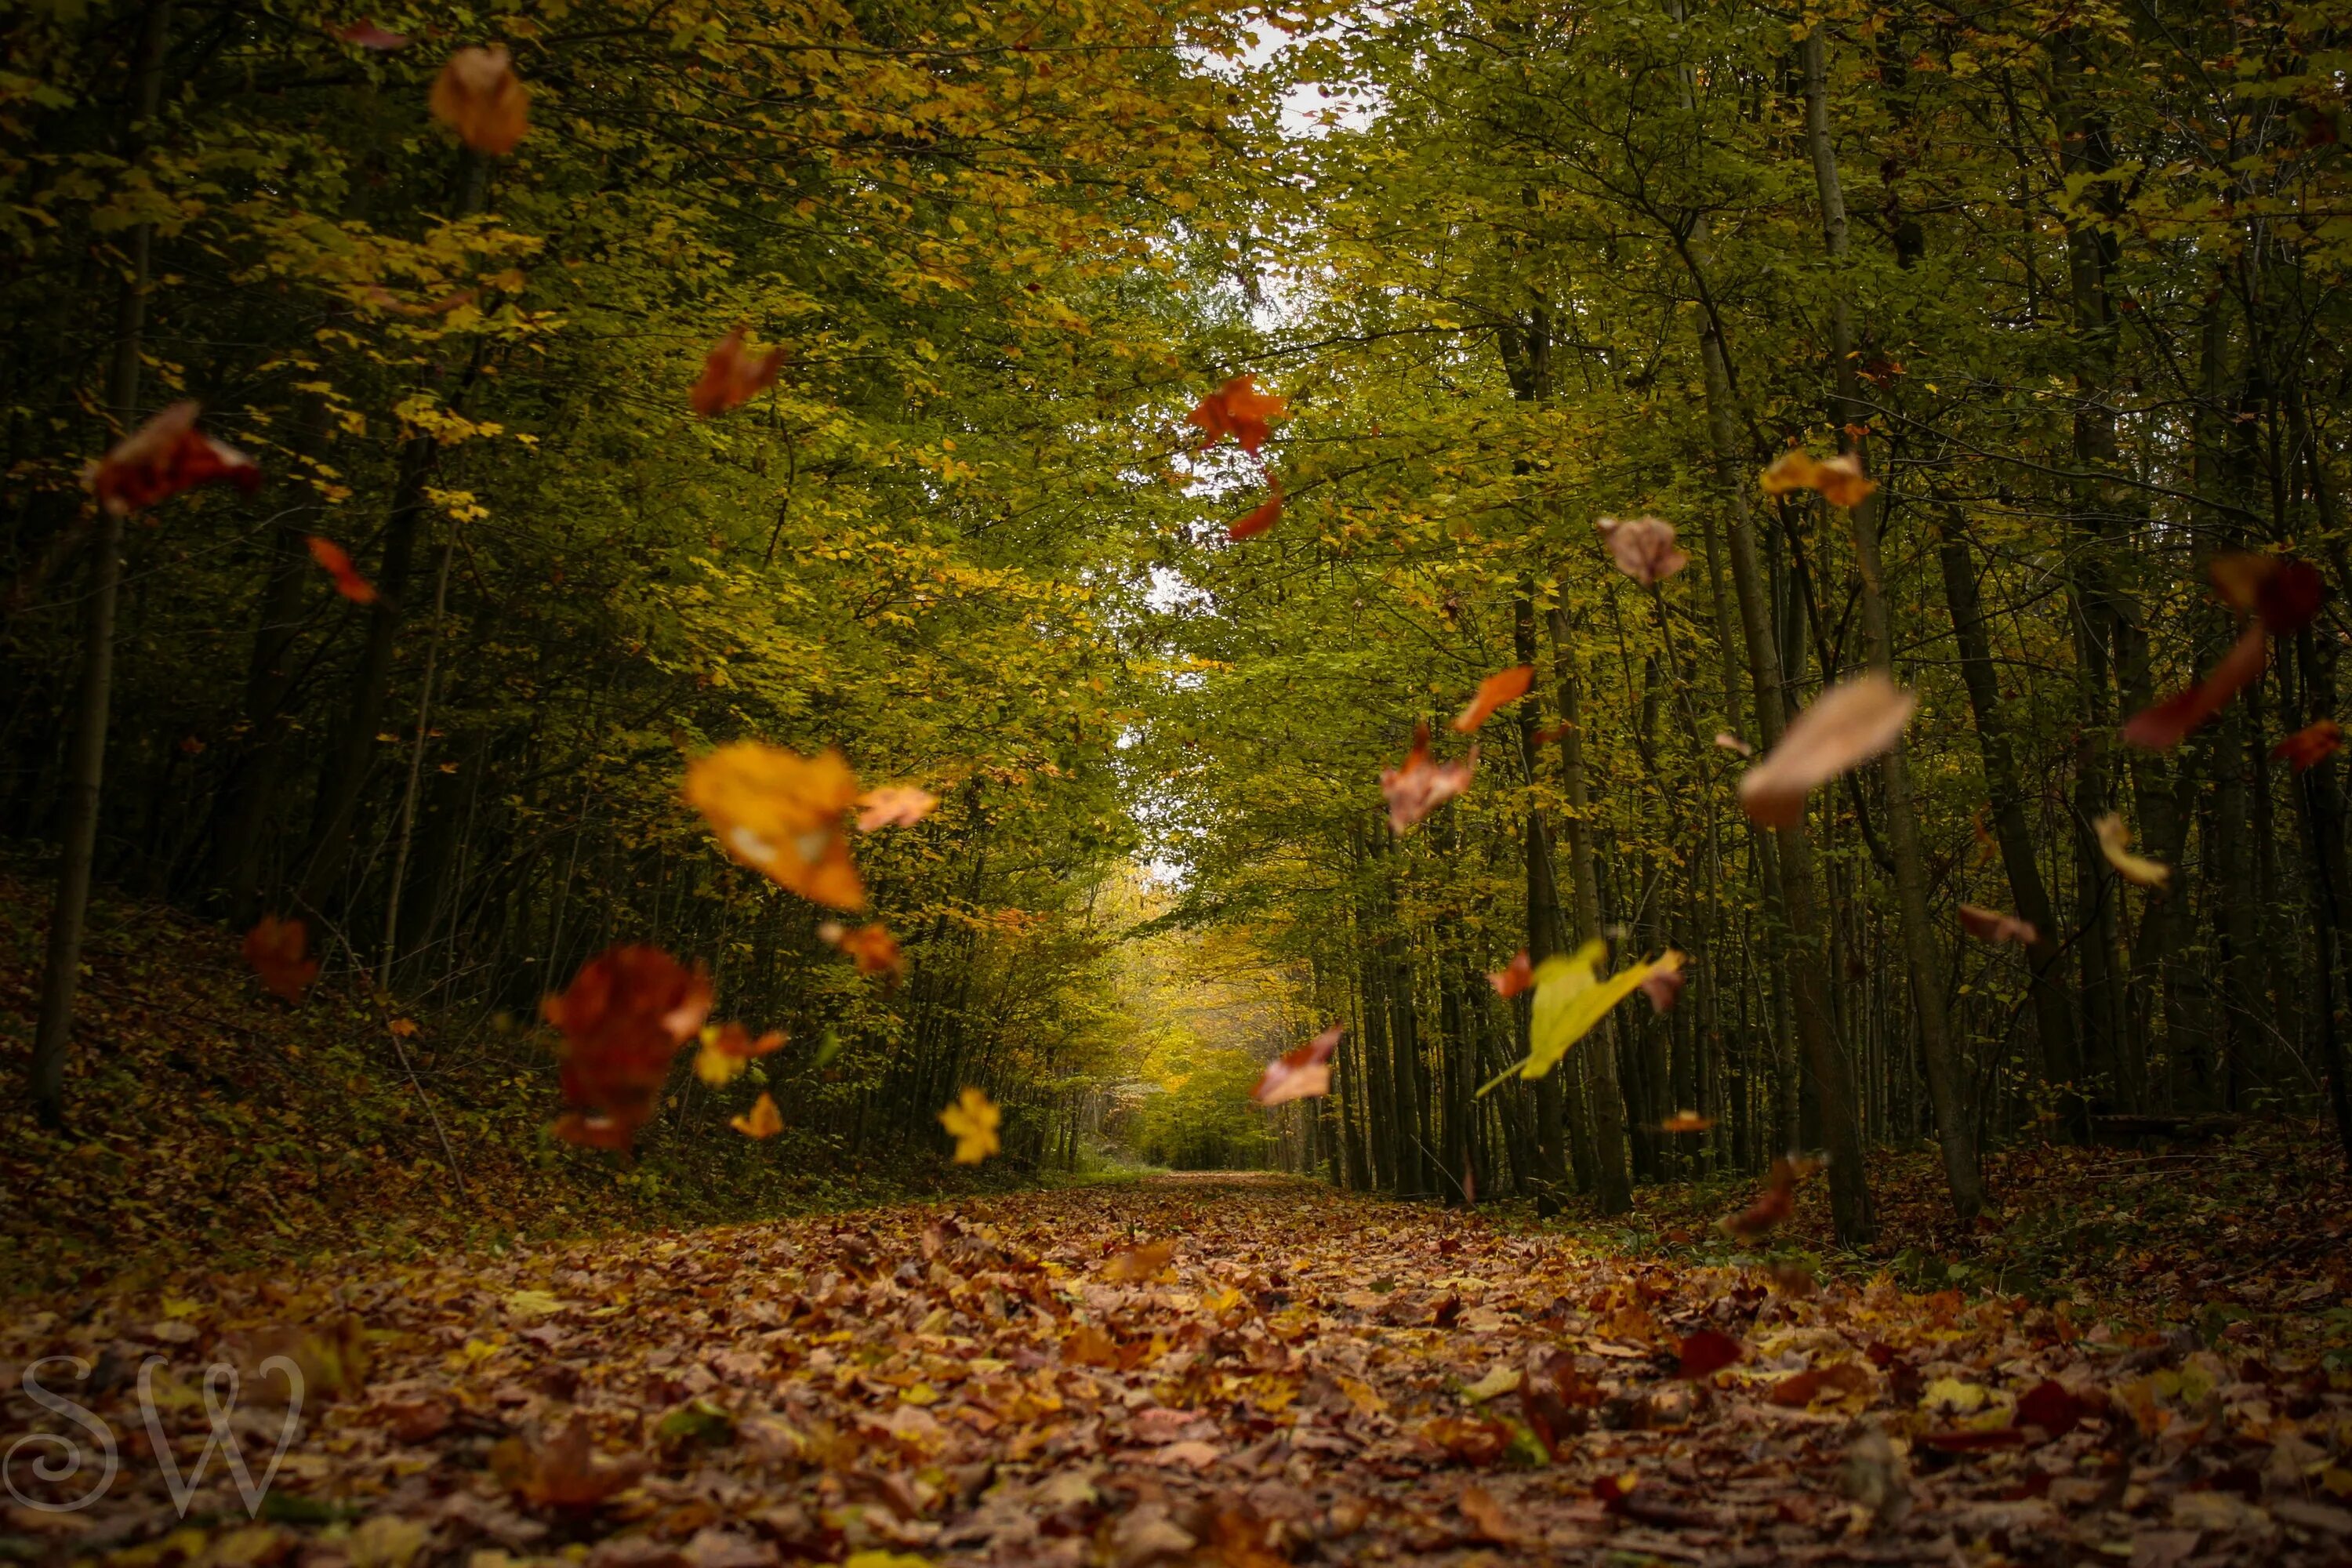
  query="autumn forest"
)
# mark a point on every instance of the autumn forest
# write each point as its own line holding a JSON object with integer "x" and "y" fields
{"x": 1152, "y": 782}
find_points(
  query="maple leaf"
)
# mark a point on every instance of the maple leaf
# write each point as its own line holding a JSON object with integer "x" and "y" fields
{"x": 275, "y": 949}
{"x": 1685, "y": 1122}
{"x": 729, "y": 1048}
{"x": 1261, "y": 517}
{"x": 2115, "y": 841}
{"x": 1662, "y": 986}
{"x": 764, "y": 1120}
{"x": 1705, "y": 1354}
{"x": 162, "y": 457}
{"x": 1513, "y": 977}
{"x": 1301, "y": 1074}
{"x": 780, "y": 813}
{"x": 365, "y": 33}
{"x": 972, "y": 1121}
{"x": 1845, "y": 727}
{"x": 1642, "y": 548}
{"x": 1138, "y": 1264}
{"x": 733, "y": 375}
{"x": 1240, "y": 410}
{"x": 1839, "y": 479}
{"x": 873, "y": 947}
{"x": 623, "y": 1018}
{"x": 1991, "y": 925}
{"x": 2165, "y": 725}
{"x": 563, "y": 1472}
{"x": 478, "y": 96}
{"x": 1423, "y": 784}
{"x": 338, "y": 563}
{"x": 1503, "y": 686}
{"x": 894, "y": 805}
{"x": 2310, "y": 746}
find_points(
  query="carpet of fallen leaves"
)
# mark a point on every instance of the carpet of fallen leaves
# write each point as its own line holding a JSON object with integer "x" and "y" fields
{"x": 1237, "y": 1369}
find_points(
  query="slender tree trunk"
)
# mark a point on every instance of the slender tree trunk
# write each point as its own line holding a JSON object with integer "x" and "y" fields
{"x": 86, "y": 752}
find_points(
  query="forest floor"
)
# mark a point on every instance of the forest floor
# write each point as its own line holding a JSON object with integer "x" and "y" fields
{"x": 1236, "y": 1369}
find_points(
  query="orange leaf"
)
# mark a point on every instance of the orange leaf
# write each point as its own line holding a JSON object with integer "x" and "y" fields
{"x": 1644, "y": 548}
{"x": 873, "y": 947}
{"x": 1685, "y": 1122}
{"x": 1240, "y": 410}
{"x": 1423, "y": 784}
{"x": 1839, "y": 479}
{"x": 780, "y": 813}
{"x": 1503, "y": 686}
{"x": 275, "y": 949}
{"x": 896, "y": 806}
{"x": 478, "y": 96}
{"x": 1991, "y": 925}
{"x": 1265, "y": 516}
{"x": 1138, "y": 1264}
{"x": 764, "y": 1121}
{"x": 1301, "y": 1074}
{"x": 1776, "y": 1202}
{"x": 162, "y": 457}
{"x": 2310, "y": 745}
{"x": 1845, "y": 726}
{"x": 2138, "y": 870}
{"x": 733, "y": 375}
{"x": 337, "y": 563}
{"x": 1513, "y": 977}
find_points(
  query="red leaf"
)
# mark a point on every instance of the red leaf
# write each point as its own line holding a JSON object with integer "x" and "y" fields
{"x": 368, "y": 35}
{"x": 337, "y": 563}
{"x": 2051, "y": 1406}
{"x": 624, "y": 1016}
{"x": 1991, "y": 925}
{"x": 2310, "y": 745}
{"x": 478, "y": 96}
{"x": 1503, "y": 686}
{"x": 1301, "y": 1074}
{"x": 1267, "y": 513}
{"x": 1513, "y": 977}
{"x": 162, "y": 457}
{"x": 2167, "y": 724}
{"x": 275, "y": 949}
{"x": 2282, "y": 593}
{"x": 1240, "y": 410}
{"x": 1642, "y": 548}
{"x": 1423, "y": 784}
{"x": 1776, "y": 1202}
{"x": 1705, "y": 1354}
{"x": 733, "y": 375}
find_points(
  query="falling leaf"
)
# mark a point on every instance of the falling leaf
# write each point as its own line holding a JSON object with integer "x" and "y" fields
{"x": 623, "y": 1018}
{"x": 764, "y": 1120}
{"x": 1664, "y": 984}
{"x": 1513, "y": 977}
{"x": 894, "y": 805}
{"x": 1642, "y": 548}
{"x": 162, "y": 457}
{"x": 2281, "y": 592}
{"x": 780, "y": 813}
{"x": 733, "y": 375}
{"x": 1301, "y": 1074}
{"x": 1731, "y": 742}
{"x": 2167, "y": 722}
{"x": 1138, "y": 1264}
{"x": 1839, "y": 479}
{"x": 1261, "y": 517}
{"x": 1504, "y": 686}
{"x": 2310, "y": 745}
{"x": 2136, "y": 870}
{"x": 563, "y": 1472}
{"x": 478, "y": 96}
{"x": 1991, "y": 925}
{"x": 972, "y": 1121}
{"x": 729, "y": 1048}
{"x": 1240, "y": 410}
{"x": 827, "y": 1047}
{"x": 337, "y": 563}
{"x": 1685, "y": 1122}
{"x": 1423, "y": 784}
{"x": 275, "y": 949}
{"x": 368, "y": 35}
{"x": 873, "y": 947}
{"x": 1845, "y": 726}
{"x": 1776, "y": 1202}
{"x": 403, "y": 1028}
{"x": 1705, "y": 1354}
{"x": 1571, "y": 999}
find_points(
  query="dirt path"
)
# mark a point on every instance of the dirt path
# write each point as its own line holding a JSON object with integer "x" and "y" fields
{"x": 1300, "y": 1381}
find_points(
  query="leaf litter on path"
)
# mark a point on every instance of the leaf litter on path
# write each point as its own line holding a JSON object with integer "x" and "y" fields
{"x": 1235, "y": 1370}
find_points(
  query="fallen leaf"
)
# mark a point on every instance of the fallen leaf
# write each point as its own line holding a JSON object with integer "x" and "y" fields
{"x": 2136, "y": 870}
{"x": 780, "y": 813}
{"x": 1642, "y": 548}
{"x": 564, "y": 1471}
{"x": 1705, "y": 1353}
{"x": 1487, "y": 1517}
{"x": 1504, "y": 686}
{"x": 1839, "y": 479}
{"x": 1240, "y": 410}
{"x": 1138, "y": 1264}
{"x": 1513, "y": 977}
{"x": 1991, "y": 925}
{"x": 1845, "y": 726}
{"x": 2309, "y": 746}
{"x": 894, "y": 805}
{"x": 275, "y": 948}
{"x": 733, "y": 375}
{"x": 338, "y": 563}
{"x": 1423, "y": 784}
{"x": 2051, "y": 1406}
{"x": 478, "y": 96}
{"x": 1303, "y": 1073}
{"x": 764, "y": 1120}
{"x": 1468, "y": 1438}
{"x": 162, "y": 457}
{"x": 972, "y": 1121}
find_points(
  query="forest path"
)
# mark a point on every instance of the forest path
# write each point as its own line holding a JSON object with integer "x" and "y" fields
{"x": 1009, "y": 1380}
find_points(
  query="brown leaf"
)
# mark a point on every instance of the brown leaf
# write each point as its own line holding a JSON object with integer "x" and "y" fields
{"x": 1705, "y": 1354}
{"x": 1301, "y": 1074}
{"x": 2309, "y": 746}
{"x": 1423, "y": 784}
{"x": 1486, "y": 1516}
{"x": 1642, "y": 548}
{"x": 1991, "y": 925}
{"x": 1846, "y": 726}
{"x": 564, "y": 1471}
{"x": 1138, "y": 1264}
{"x": 275, "y": 949}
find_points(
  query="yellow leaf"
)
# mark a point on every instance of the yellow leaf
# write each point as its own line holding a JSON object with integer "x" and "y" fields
{"x": 972, "y": 1121}
{"x": 764, "y": 1121}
